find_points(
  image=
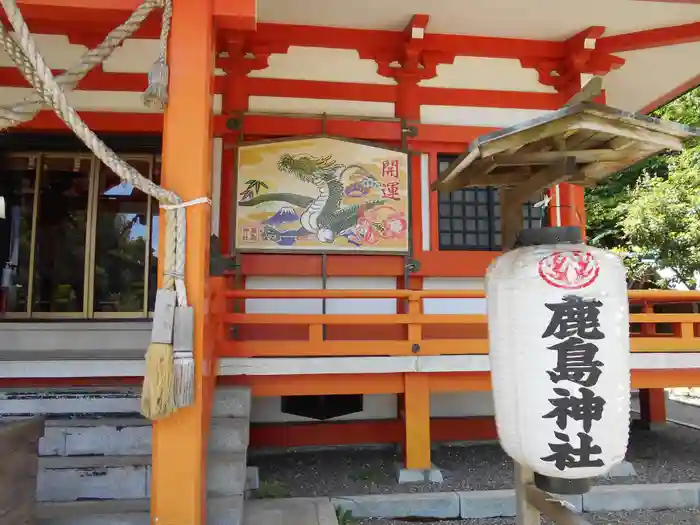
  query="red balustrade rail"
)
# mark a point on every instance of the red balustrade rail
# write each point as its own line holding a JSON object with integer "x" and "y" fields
{"x": 662, "y": 321}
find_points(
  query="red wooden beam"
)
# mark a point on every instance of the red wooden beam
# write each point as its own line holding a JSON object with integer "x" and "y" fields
{"x": 650, "y": 38}
{"x": 239, "y": 15}
{"x": 99, "y": 122}
{"x": 264, "y": 126}
{"x": 370, "y": 41}
{"x": 99, "y": 80}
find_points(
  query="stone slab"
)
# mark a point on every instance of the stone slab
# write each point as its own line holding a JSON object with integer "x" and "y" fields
{"x": 498, "y": 503}
{"x": 131, "y": 518}
{"x": 633, "y": 497}
{"x": 252, "y": 478}
{"x": 112, "y": 440}
{"x": 229, "y": 434}
{"x": 290, "y": 511}
{"x": 415, "y": 505}
{"x": 225, "y": 510}
{"x": 232, "y": 402}
{"x": 220, "y": 511}
{"x": 226, "y": 474}
{"x": 130, "y": 436}
{"x": 73, "y": 509}
{"x": 432, "y": 475}
{"x": 70, "y": 484}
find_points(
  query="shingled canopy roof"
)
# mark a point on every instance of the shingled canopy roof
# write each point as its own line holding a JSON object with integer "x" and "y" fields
{"x": 582, "y": 144}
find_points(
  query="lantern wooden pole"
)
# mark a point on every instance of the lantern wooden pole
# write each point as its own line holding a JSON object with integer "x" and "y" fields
{"x": 552, "y": 509}
{"x": 525, "y": 513}
{"x": 511, "y": 224}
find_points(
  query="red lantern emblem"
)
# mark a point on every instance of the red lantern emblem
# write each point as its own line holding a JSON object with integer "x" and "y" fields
{"x": 570, "y": 270}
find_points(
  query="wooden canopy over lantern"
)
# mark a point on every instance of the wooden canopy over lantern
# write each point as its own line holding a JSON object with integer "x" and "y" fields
{"x": 581, "y": 144}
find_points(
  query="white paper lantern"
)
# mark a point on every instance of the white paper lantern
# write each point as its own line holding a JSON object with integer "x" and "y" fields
{"x": 558, "y": 320}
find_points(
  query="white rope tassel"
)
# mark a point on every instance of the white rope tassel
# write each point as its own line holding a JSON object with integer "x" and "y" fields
{"x": 183, "y": 333}
{"x": 183, "y": 379}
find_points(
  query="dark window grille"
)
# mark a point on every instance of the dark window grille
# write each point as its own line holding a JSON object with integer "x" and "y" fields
{"x": 470, "y": 219}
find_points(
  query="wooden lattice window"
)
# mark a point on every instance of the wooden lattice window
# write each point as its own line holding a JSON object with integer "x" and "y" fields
{"x": 470, "y": 219}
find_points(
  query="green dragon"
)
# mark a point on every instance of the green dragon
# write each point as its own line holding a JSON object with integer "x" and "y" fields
{"x": 322, "y": 215}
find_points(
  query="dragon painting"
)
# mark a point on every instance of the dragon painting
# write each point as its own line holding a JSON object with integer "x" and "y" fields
{"x": 322, "y": 216}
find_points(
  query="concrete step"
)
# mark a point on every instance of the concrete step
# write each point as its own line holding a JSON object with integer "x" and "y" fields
{"x": 226, "y": 474}
{"x": 220, "y": 511}
{"x": 232, "y": 401}
{"x": 291, "y": 511}
{"x": 229, "y": 434}
{"x": 228, "y": 401}
{"x": 113, "y": 436}
{"x": 70, "y": 478}
{"x": 131, "y": 518}
{"x": 110, "y": 436}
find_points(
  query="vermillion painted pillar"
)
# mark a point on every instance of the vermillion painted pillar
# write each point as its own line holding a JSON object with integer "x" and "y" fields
{"x": 652, "y": 407}
{"x": 415, "y": 404}
{"x": 234, "y": 101}
{"x": 567, "y": 206}
{"x": 178, "y": 487}
{"x": 652, "y": 401}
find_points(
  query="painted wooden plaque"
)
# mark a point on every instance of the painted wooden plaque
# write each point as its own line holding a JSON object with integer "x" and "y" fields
{"x": 321, "y": 194}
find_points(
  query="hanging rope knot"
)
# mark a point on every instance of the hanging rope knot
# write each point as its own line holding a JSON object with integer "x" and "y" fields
{"x": 156, "y": 94}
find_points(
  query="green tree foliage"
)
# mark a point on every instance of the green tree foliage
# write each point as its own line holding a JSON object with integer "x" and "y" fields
{"x": 652, "y": 210}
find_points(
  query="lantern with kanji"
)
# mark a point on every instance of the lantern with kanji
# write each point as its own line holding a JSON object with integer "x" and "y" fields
{"x": 558, "y": 317}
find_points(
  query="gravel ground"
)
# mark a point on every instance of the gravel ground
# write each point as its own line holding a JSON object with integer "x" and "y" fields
{"x": 666, "y": 517}
{"x": 668, "y": 455}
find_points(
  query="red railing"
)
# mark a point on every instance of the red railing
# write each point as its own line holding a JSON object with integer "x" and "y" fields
{"x": 663, "y": 321}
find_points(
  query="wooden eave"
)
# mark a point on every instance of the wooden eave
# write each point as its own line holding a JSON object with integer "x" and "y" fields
{"x": 581, "y": 144}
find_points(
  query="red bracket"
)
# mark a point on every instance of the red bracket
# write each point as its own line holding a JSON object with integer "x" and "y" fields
{"x": 410, "y": 61}
{"x": 244, "y": 57}
{"x": 581, "y": 57}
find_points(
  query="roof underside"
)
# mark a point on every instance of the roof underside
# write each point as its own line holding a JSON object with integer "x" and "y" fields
{"x": 649, "y": 77}
{"x": 632, "y": 87}
{"x": 533, "y": 19}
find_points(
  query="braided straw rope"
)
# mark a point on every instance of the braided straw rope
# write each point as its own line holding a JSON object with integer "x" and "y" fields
{"x": 23, "y": 52}
{"x": 27, "y": 110}
{"x": 169, "y": 379}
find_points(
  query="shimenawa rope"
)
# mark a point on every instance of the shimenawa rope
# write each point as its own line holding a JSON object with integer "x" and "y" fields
{"x": 169, "y": 378}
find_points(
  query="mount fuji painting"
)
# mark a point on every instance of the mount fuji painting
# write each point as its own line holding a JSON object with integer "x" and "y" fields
{"x": 285, "y": 215}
